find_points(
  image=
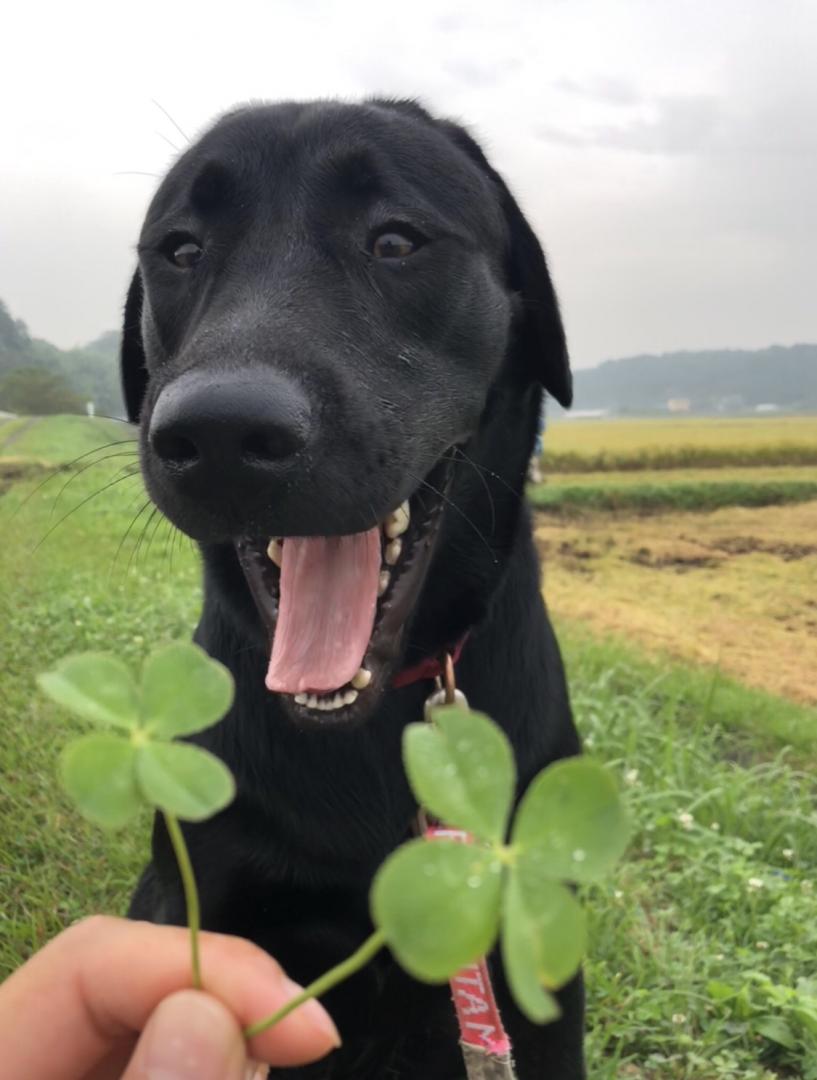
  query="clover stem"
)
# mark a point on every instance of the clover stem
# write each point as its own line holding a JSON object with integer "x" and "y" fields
{"x": 335, "y": 975}
{"x": 191, "y": 895}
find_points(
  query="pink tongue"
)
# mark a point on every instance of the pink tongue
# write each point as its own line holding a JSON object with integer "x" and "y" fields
{"x": 326, "y": 611}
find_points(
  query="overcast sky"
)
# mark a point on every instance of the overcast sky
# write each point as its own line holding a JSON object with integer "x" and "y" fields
{"x": 665, "y": 150}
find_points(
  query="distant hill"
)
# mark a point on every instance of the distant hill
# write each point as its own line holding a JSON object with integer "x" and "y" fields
{"x": 712, "y": 381}
{"x": 90, "y": 373}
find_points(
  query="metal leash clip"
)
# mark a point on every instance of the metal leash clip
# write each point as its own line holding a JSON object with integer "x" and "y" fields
{"x": 445, "y": 692}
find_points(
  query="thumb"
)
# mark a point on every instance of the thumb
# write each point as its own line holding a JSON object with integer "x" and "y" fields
{"x": 189, "y": 1036}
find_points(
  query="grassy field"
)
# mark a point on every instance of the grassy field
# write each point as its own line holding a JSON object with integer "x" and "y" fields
{"x": 749, "y": 474}
{"x": 57, "y": 439}
{"x": 657, "y": 497}
{"x": 703, "y": 947}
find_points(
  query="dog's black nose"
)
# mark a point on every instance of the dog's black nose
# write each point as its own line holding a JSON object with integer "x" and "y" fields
{"x": 240, "y": 428}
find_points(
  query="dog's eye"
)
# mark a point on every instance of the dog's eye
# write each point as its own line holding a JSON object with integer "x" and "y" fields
{"x": 186, "y": 254}
{"x": 393, "y": 245}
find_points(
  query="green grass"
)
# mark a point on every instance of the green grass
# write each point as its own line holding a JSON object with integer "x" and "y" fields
{"x": 695, "y": 969}
{"x": 70, "y": 593}
{"x": 694, "y": 973}
{"x": 659, "y": 498}
{"x": 60, "y": 439}
{"x": 753, "y": 474}
{"x": 761, "y": 721}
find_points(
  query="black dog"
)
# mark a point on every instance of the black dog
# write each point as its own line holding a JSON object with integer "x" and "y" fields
{"x": 335, "y": 345}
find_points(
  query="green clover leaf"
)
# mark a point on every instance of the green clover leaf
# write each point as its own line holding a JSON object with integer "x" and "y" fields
{"x": 96, "y": 687}
{"x": 461, "y": 768}
{"x": 183, "y": 691}
{"x": 183, "y": 780}
{"x": 571, "y": 822}
{"x": 437, "y": 902}
{"x": 543, "y": 941}
{"x": 98, "y": 773}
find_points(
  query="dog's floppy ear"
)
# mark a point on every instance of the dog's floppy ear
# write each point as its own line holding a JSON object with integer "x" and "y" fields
{"x": 133, "y": 371}
{"x": 541, "y": 334}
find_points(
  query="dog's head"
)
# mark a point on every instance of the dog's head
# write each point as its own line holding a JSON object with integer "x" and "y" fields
{"x": 329, "y": 301}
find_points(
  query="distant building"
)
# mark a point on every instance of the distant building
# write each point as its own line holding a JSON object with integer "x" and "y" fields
{"x": 679, "y": 404}
{"x": 767, "y": 406}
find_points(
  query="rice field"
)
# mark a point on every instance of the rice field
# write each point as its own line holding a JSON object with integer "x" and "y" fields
{"x": 602, "y": 445}
{"x": 714, "y": 566}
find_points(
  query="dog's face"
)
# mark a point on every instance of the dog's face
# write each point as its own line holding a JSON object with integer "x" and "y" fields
{"x": 326, "y": 296}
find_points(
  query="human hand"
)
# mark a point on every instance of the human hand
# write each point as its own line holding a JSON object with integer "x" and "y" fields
{"x": 109, "y": 999}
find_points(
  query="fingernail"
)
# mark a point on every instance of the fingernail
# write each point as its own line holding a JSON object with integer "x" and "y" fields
{"x": 192, "y": 1037}
{"x": 256, "y": 1071}
{"x": 312, "y": 1012}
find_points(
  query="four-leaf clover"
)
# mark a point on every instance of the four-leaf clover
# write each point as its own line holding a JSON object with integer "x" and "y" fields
{"x": 441, "y": 903}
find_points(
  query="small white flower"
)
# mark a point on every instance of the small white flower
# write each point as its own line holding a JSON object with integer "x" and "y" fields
{"x": 679, "y": 1018}
{"x": 686, "y": 820}
{"x": 755, "y": 883}
{"x": 762, "y": 945}
{"x": 719, "y": 956}
{"x": 715, "y": 827}
{"x": 631, "y": 777}
{"x": 589, "y": 742}
{"x": 618, "y": 894}
{"x": 806, "y": 886}
{"x": 788, "y": 853}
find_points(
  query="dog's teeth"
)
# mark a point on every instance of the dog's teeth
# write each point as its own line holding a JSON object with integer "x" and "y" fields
{"x": 275, "y": 551}
{"x": 383, "y": 583}
{"x": 398, "y": 521}
{"x": 350, "y": 697}
{"x": 393, "y": 549}
{"x": 312, "y": 701}
{"x": 362, "y": 679}
{"x": 301, "y": 699}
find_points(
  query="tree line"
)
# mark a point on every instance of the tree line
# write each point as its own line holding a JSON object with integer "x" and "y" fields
{"x": 38, "y": 378}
